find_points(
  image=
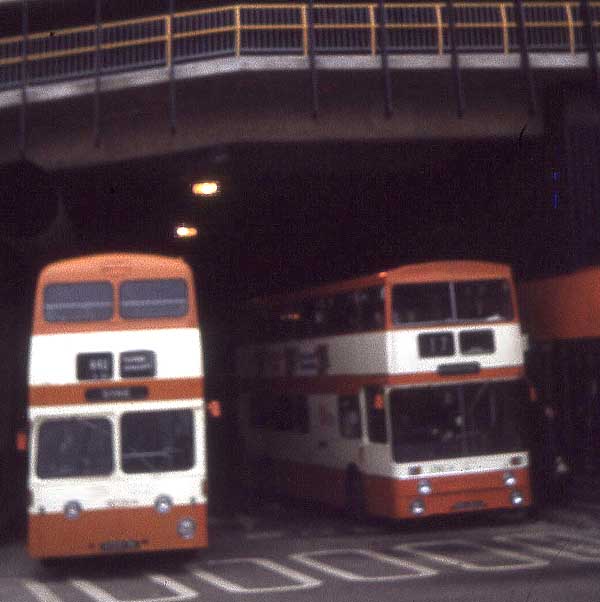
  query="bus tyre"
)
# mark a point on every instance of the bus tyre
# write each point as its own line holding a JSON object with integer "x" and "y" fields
{"x": 355, "y": 495}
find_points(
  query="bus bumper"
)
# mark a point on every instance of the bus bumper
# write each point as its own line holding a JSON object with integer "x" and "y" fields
{"x": 454, "y": 494}
{"x": 116, "y": 531}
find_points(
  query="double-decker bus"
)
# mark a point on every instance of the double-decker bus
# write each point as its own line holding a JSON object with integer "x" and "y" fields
{"x": 561, "y": 315}
{"x": 116, "y": 412}
{"x": 400, "y": 394}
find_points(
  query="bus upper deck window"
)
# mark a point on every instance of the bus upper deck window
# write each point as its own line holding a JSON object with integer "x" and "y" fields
{"x": 160, "y": 298}
{"x": 488, "y": 300}
{"x": 78, "y": 302}
{"x": 413, "y": 303}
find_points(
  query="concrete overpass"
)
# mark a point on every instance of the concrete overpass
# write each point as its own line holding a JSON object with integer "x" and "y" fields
{"x": 108, "y": 92}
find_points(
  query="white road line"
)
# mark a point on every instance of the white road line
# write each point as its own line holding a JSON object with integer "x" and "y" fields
{"x": 265, "y": 535}
{"x": 300, "y": 580}
{"x": 527, "y": 562}
{"x": 100, "y": 595}
{"x": 580, "y": 550}
{"x": 307, "y": 558}
{"x": 40, "y": 591}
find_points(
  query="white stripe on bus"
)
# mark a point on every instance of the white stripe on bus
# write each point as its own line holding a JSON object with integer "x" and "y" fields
{"x": 53, "y": 357}
{"x": 384, "y": 352}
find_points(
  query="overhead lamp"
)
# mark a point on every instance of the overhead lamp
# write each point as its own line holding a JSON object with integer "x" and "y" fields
{"x": 209, "y": 188}
{"x": 183, "y": 231}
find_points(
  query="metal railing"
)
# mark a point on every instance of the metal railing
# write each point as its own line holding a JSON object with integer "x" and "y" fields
{"x": 282, "y": 29}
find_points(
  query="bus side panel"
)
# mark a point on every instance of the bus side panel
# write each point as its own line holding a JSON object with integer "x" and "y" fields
{"x": 53, "y": 535}
{"x": 319, "y": 483}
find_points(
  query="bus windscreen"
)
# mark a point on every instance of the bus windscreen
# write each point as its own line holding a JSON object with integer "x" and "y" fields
{"x": 75, "y": 448}
{"x": 456, "y": 421}
{"x": 157, "y": 441}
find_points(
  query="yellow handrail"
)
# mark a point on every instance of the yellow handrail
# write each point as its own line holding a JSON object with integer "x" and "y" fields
{"x": 231, "y": 18}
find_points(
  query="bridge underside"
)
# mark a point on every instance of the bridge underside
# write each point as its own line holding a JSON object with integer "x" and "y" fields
{"x": 275, "y": 107}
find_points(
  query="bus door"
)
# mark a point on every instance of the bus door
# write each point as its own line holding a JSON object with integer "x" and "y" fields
{"x": 374, "y": 454}
{"x": 323, "y": 453}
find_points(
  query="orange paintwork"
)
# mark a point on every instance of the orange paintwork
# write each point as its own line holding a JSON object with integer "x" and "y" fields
{"x": 434, "y": 271}
{"x": 348, "y": 384}
{"x": 113, "y": 267}
{"x": 392, "y": 497}
{"x": 158, "y": 390}
{"x": 389, "y": 497}
{"x": 564, "y": 307}
{"x": 53, "y": 535}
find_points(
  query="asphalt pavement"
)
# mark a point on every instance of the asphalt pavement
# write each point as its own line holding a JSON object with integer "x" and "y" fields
{"x": 287, "y": 552}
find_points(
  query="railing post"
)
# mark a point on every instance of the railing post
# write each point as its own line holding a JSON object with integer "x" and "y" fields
{"x": 171, "y": 66}
{"x": 238, "y": 31}
{"x": 440, "y": 28}
{"x": 505, "y": 37}
{"x": 571, "y": 27}
{"x": 24, "y": 77}
{"x": 458, "y": 87}
{"x": 525, "y": 67}
{"x": 385, "y": 68}
{"x": 314, "y": 74}
{"x": 373, "y": 30}
{"x": 98, "y": 70}
{"x": 168, "y": 35}
{"x": 590, "y": 42}
{"x": 304, "y": 30}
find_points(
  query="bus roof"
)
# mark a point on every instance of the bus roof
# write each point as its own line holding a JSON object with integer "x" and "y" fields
{"x": 563, "y": 307}
{"x": 433, "y": 271}
{"x": 114, "y": 267}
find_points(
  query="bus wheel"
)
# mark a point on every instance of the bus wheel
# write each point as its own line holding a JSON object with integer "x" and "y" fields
{"x": 355, "y": 495}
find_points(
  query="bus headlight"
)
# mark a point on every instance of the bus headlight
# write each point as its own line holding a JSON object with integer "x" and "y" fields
{"x": 72, "y": 510}
{"x": 163, "y": 504}
{"x": 417, "y": 507}
{"x": 186, "y": 528}
{"x": 424, "y": 487}
{"x": 509, "y": 479}
{"x": 516, "y": 497}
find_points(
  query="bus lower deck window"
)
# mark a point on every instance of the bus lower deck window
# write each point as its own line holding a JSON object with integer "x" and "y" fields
{"x": 74, "y": 448}
{"x": 157, "y": 441}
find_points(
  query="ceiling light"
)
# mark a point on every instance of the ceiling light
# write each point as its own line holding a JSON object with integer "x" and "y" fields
{"x": 186, "y": 231}
{"x": 205, "y": 188}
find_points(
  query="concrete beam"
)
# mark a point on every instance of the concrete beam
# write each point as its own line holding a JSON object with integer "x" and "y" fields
{"x": 272, "y": 107}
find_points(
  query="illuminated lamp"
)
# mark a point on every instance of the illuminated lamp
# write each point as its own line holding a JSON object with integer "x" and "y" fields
{"x": 183, "y": 231}
{"x": 205, "y": 188}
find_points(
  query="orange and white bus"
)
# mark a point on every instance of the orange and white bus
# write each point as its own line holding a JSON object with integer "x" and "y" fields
{"x": 400, "y": 394}
{"x": 561, "y": 315}
{"x": 116, "y": 411}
